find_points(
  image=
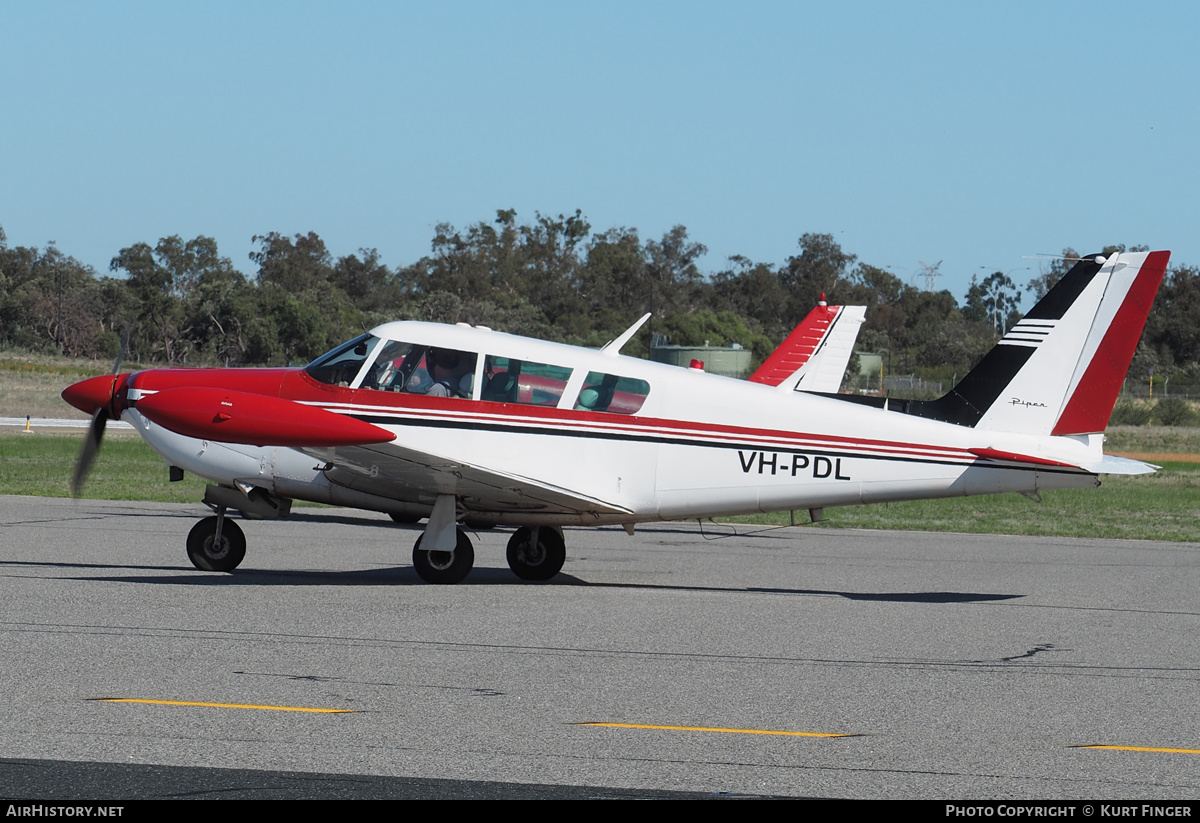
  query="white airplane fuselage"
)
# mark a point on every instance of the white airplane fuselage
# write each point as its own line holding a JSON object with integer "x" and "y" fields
{"x": 701, "y": 445}
{"x": 461, "y": 424}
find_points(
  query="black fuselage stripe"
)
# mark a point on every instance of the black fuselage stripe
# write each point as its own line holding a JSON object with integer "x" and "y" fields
{"x": 476, "y": 425}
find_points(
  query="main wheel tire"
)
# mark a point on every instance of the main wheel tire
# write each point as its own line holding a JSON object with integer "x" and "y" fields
{"x": 206, "y": 555}
{"x": 406, "y": 519}
{"x": 540, "y": 562}
{"x": 445, "y": 567}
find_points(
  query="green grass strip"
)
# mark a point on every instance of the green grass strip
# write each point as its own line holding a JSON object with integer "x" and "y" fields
{"x": 1163, "y": 506}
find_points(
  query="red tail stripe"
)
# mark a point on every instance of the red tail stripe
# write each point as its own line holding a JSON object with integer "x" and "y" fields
{"x": 1090, "y": 406}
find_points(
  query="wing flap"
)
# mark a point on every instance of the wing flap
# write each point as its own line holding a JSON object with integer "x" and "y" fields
{"x": 419, "y": 477}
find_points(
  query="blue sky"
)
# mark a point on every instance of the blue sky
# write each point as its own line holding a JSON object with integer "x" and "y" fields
{"x": 970, "y": 133}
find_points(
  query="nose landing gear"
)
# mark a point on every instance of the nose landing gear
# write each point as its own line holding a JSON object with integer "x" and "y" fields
{"x": 216, "y": 544}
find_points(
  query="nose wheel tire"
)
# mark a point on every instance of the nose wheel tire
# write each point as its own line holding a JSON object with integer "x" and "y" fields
{"x": 207, "y": 554}
{"x": 445, "y": 567}
{"x": 536, "y": 561}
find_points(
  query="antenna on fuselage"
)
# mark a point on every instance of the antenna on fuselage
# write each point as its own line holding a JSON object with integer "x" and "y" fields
{"x": 613, "y": 348}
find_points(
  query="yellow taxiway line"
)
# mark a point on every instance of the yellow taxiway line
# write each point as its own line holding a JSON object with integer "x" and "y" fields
{"x": 222, "y": 705}
{"x": 1141, "y": 749}
{"x": 708, "y": 729}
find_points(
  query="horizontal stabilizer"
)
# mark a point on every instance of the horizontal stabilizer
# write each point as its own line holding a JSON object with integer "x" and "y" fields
{"x": 1111, "y": 464}
{"x": 1013, "y": 457}
{"x": 1107, "y": 464}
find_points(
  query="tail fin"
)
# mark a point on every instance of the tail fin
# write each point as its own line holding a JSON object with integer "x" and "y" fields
{"x": 1101, "y": 370}
{"x": 814, "y": 356}
{"x": 1059, "y": 370}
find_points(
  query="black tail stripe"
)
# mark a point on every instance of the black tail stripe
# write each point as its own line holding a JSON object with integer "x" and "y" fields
{"x": 1060, "y": 298}
{"x": 974, "y": 395}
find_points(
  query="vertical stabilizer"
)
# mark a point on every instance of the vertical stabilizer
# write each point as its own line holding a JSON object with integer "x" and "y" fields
{"x": 1097, "y": 380}
{"x": 1059, "y": 369}
{"x": 814, "y": 356}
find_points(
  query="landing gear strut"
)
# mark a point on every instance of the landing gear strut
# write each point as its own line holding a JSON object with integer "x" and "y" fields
{"x": 536, "y": 554}
{"x": 216, "y": 544}
{"x": 445, "y": 567}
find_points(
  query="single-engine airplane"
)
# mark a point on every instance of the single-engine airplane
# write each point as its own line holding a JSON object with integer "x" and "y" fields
{"x": 465, "y": 424}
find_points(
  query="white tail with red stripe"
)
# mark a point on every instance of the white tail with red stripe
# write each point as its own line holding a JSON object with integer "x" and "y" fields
{"x": 1077, "y": 344}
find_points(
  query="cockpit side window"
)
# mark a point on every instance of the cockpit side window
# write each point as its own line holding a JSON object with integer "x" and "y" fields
{"x": 417, "y": 369}
{"x": 340, "y": 366}
{"x": 612, "y": 393}
{"x": 387, "y": 373}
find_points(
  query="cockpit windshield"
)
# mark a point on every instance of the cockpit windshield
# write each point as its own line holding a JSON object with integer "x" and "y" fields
{"x": 341, "y": 366}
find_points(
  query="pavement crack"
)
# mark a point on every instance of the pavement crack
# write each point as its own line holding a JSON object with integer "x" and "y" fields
{"x": 1041, "y": 647}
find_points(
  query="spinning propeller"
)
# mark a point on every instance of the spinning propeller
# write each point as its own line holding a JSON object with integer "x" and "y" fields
{"x": 96, "y": 395}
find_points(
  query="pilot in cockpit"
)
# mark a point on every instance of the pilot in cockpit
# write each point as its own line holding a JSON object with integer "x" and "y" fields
{"x": 450, "y": 374}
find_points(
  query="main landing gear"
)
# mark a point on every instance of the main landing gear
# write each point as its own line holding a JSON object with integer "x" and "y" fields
{"x": 445, "y": 567}
{"x": 537, "y": 553}
{"x": 216, "y": 544}
{"x": 533, "y": 554}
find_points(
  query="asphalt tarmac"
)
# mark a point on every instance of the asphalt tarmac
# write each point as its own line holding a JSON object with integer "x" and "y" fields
{"x": 711, "y": 662}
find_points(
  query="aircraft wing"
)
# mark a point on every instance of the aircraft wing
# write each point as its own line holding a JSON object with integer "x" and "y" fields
{"x": 415, "y": 476}
{"x": 815, "y": 354}
{"x": 354, "y": 452}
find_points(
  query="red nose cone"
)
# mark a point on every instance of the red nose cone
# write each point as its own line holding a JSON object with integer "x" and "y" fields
{"x": 91, "y": 394}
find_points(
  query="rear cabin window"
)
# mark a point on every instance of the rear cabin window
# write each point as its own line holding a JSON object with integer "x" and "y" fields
{"x": 612, "y": 393}
{"x": 506, "y": 380}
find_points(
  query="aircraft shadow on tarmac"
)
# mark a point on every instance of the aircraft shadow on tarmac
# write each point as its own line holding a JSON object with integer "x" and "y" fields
{"x": 407, "y": 576}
